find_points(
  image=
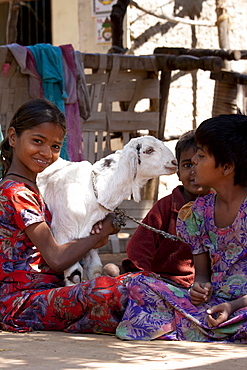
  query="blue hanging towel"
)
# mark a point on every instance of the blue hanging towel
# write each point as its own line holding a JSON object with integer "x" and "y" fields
{"x": 49, "y": 65}
{"x": 1, "y": 134}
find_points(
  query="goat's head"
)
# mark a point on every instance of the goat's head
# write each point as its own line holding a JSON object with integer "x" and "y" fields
{"x": 149, "y": 158}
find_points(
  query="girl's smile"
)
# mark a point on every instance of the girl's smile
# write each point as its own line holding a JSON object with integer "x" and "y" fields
{"x": 36, "y": 148}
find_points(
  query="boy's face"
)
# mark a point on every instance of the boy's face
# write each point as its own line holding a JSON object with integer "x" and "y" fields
{"x": 187, "y": 176}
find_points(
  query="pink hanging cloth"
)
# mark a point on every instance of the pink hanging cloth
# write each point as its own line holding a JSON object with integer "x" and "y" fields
{"x": 74, "y": 145}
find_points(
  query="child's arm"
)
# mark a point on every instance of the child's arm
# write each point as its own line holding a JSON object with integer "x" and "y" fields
{"x": 201, "y": 290}
{"x": 143, "y": 244}
{"x": 60, "y": 257}
{"x": 224, "y": 310}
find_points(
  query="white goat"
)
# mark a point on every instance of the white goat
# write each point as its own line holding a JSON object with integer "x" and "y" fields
{"x": 76, "y": 191}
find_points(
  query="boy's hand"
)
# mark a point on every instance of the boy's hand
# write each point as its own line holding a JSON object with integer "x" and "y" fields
{"x": 218, "y": 314}
{"x": 200, "y": 292}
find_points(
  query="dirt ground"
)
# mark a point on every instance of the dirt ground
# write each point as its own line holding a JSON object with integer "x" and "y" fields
{"x": 56, "y": 350}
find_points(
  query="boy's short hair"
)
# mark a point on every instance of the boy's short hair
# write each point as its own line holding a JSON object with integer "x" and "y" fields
{"x": 187, "y": 140}
{"x": 225, "y": 138}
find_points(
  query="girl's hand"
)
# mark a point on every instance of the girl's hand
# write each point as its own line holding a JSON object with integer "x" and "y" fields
{"x": 101, "y": 243}
{"x": 107, "y": 223}
{"x": 218, "y": 314}
{"x": 96, "y": 228}
{"x": 200, "y": 292}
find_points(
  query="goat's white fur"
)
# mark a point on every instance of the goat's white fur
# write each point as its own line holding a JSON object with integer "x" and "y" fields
{"x": 68, "y": 190}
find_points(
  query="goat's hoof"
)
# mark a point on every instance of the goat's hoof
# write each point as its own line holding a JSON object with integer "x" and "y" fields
{"x": 73, "y": 279}
{"x": 94, "y": 275}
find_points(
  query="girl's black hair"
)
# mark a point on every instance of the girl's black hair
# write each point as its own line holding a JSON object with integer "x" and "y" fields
{"x": 186, "y": 141}
{"x": 30, "y": 114}
{"x": 225, "y": 138}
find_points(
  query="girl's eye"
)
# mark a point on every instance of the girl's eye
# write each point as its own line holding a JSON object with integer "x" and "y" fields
{"x": 57, "y": 147}
{"x": 38, "y": 141}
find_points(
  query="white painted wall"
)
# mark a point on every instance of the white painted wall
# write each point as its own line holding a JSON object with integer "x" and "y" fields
{"x": 73, "y": 23}
{"x": 65, "y": 23}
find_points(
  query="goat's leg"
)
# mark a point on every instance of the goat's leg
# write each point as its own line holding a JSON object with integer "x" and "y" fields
{"x": 73, "y": 275}
{"x": 92, "y": 265}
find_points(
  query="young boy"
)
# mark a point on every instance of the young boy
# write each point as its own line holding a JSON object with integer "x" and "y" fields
{"x": 150, "y": 251}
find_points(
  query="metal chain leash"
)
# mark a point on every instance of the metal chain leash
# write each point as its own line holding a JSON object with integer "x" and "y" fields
{"x": 121, "y": 216}
{"x": 120, "y": 221}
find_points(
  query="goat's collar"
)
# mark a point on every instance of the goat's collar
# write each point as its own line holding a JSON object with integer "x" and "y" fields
{"x": 93, "y": 177}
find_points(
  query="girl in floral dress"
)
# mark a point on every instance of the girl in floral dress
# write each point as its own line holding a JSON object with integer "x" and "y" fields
{"x": 215, "y": 226}
{"x": 32, "y": 292}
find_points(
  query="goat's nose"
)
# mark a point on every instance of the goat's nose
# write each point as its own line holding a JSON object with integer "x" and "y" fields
{"x": 174, "y": 162}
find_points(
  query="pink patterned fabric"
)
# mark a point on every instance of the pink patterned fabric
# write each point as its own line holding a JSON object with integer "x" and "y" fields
{"x": 74, "y": 144}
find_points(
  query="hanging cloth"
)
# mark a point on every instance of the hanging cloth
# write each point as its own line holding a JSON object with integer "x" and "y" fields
{"x": 26, "y": 61}
{"x": 49, "y": 65}
{"x": 71, "y": 105}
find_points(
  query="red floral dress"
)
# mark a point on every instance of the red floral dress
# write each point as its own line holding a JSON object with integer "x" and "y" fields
{"x": 32, "y": 295}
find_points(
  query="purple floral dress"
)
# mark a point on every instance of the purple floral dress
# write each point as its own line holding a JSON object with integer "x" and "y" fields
{"x": 158, "y": 310}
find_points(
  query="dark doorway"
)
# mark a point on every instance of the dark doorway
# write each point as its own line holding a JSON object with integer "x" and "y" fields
{"x": 34, "y": 23}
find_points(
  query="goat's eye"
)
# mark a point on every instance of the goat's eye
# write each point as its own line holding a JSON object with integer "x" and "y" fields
{"x": 149, "y": 150}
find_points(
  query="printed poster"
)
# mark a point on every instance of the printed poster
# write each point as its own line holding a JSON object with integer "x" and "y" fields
{"x": 103, "y": 30}
{"x": 102, "y": 7}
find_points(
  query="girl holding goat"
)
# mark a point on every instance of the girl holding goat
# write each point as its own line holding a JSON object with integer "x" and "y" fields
{"x": 32, "y": 292}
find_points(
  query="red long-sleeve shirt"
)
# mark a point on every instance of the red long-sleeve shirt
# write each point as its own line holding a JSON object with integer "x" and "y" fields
{"x": 150, "y": 251}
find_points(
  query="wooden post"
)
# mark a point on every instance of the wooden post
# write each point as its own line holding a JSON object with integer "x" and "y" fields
{"x": 151, "y": 189}
{"x": 224, "y": 93}
{"x": 223, "y": 27}
{"x": 165, "y": 81}
{"x": 117, "y": 17}
{"x": 11, "y": 28}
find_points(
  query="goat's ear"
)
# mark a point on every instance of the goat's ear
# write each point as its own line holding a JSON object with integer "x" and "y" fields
{"x": 136, "y": 192}
{"x": 133, "y": 165}
{"x": 135, "y": 188}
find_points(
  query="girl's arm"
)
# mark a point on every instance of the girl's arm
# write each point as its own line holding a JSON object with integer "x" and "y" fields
{"x": 201, "y": 290}
{"x": 221, "y": 312}
{"x": 60, "y": 257}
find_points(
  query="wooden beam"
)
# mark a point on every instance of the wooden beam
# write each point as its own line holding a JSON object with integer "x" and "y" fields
{"x": 8, "y": 1}
{"x": 157, "y": 62}
{"x": 222, "y": 53}
{"x": 230, "y": 77}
